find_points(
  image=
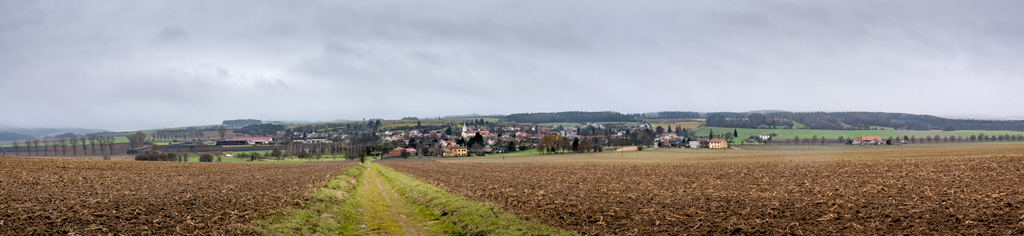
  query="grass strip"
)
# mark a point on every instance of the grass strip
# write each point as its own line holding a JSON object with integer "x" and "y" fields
{"x": 332, "y": 212}
{"x": 468, "y": 216}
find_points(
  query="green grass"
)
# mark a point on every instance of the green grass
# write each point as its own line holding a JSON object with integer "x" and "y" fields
{"x": 471, "y": 217}
{"x": 519, "y": 153}
{"x": 834, "y": 134}
{"x": 382, "y": 211}
{"x": 332, "y": 213}
{"x": 689, "y": 125}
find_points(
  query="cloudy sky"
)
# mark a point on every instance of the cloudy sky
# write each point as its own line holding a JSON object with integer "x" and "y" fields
{"x": 125, "y": 65}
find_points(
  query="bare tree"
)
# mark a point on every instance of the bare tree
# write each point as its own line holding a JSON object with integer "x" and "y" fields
{"x": 81, "y": 140}
{"x": 63, "y": 146}
{"x": 136, "y": 140}
{"x": 16, "y": 152}
{"x": 36, "y": 144}
{"x": 101, "y": 141}
{"x": 222, "y": 131}
{"x": 46, "y": 147}
{"x": 110, "y": 143}
{"x": 92, "y": 144}
{"x": 28, "y": 145}
{"x": 74, "y": 146}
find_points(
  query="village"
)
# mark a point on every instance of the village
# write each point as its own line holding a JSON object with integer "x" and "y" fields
{"x": 479, "y": 138}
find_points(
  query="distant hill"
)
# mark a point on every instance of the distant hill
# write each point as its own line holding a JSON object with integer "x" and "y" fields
{"x": 8, "y": 136}
{"x": 783, "y": 119}
{"x": 855, "y": 120}
{"x": 570, "y": 116}
{"x": 34, "y": 133}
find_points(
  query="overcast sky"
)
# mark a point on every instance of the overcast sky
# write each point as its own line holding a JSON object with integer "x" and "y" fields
{"x": 125, "y": 65}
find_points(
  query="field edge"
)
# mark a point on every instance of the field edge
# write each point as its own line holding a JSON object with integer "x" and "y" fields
{"x": 472, "y": 217}
{"x": 332, "y": 210}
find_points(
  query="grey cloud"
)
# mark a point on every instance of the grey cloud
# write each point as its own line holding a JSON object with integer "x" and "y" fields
{"x": 171, "y": 34}
{"x": 140, "y": 64}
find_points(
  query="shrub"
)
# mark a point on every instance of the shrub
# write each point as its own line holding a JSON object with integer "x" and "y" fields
{"x": 154, "y": 155}
{"x": 206, "y": 157}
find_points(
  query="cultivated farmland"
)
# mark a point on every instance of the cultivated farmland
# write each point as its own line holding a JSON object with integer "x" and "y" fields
{"x": 61, "y": 196}
{"x": 958, "y": 190}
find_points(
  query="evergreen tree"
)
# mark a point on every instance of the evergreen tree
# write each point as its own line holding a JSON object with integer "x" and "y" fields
{"x": 735, "y": 133}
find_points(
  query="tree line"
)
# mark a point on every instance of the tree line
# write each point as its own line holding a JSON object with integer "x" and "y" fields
{"x": 240, "y": 122}
{"x": 570, "y": 116}
{"x": 86, "y": 145}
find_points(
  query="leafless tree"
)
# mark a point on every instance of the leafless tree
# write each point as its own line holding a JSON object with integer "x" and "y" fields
{"x": 81, "y": 140}
{"x": 222, "y": 131}
{"x": 92, "y": 144}
{"x": 46, "y": 147}
{"x": 136, "y": 140}
{"x": 63, "y": 146}
{"x": 28, "y": 145}
{"x": 102, "y": 141}
{"x": 36, "y": 144}
{"x": 74, "y": 146}
{"x": 110, "y": 144}
{"x": 16, "y": 152}
{"x": 53, "y": 145}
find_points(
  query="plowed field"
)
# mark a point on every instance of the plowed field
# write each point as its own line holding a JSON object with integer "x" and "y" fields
{"x": 61, "y": 196}
{"x": 983, "y": 194}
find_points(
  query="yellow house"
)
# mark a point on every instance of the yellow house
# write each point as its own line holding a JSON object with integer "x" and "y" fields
{"x": 456, "y": 152}
{"x": 718, "y": 143}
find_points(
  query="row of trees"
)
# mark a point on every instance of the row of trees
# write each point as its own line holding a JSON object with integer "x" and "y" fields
{"x": 910, "y": 139}
{"x": 569, "y": 116}
{"x": 264, "y": 129}
{"x": 61, "y": 146}
{"x": 553, "y": 143}
{"x": 177, "y": 135}
{"x": 155, "y": 154}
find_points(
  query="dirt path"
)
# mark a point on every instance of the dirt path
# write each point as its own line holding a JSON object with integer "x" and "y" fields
{"x": 383, "y": 212}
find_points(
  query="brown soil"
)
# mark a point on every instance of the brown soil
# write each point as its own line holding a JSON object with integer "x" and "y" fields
{"x": 947, "y": 195}
{"x": 65, "y": 196}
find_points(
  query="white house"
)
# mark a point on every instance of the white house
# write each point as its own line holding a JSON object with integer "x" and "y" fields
{"x": 694, "y": 144}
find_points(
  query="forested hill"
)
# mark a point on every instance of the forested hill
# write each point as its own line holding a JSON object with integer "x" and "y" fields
{"x": 570, "y": 116}
{"x": 782, "y": 119}
{"x": 8, "y": 136}
{"x": 855, "y": 120}
{"x": 17, "y": 133}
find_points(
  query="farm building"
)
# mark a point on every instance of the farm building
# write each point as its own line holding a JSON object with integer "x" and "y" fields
{"x": 718, "y": 143}
{"x": 231, "y": 142}
{"x": 249, "y": 140}
{"x": 764, "y": 136}
{"x": 397, "y": 152}
{"x": 868, "y": 140}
